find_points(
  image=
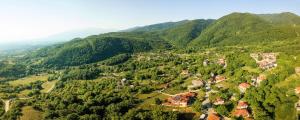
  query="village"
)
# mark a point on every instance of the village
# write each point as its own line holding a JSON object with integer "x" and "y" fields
{"x": 242, "y": 108}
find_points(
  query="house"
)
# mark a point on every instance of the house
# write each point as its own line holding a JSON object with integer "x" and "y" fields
{"x": 297, "y": 90}
{"x": 244, "y": 86}
{"x": 196, "y": 84}
{"x": 241, "y": 113}
{"x": 213, "y": 116}
{"x": 182, "y": 100}
{"x": 220, "y": 78}
{"x": 242, "y": 105}
{"x": 219, "y": 101}
{"x": 297, "y": 70}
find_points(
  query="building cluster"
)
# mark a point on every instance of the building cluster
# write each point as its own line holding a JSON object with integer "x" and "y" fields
{"x": 265, "y": 60}
{"x": 242, "y": 110}
{"x": 181, "y": 100}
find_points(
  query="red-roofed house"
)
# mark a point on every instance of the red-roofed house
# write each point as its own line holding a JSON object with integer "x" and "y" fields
{"x": 243, "y": 87}
{"x": 182, "y": 100}
{"x": 213, "y": 116}
{"x": 241, "y": 113}
{"x": 242, "y": 105}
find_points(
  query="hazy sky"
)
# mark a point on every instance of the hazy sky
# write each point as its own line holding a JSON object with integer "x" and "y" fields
{"x": 29, "y": 19}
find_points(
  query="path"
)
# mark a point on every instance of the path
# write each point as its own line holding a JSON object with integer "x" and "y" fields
{"x": 52, "y": 87}
{"x": 6, "y": 103}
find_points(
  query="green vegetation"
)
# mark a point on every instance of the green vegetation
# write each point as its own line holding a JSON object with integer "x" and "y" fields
{"x": 130, "y": 74}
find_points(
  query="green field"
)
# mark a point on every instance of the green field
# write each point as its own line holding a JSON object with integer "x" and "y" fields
{"x": 28, "y": 80}
{"x": 30, "y": 114}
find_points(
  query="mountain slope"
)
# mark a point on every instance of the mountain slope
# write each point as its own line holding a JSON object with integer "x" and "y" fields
{"x": 243, "y": 28}
{"x": 285, "y": 18}
{"x": 98, "y": 47}
{"x": 156, "y": 27}
{"x": 183, "y": 34}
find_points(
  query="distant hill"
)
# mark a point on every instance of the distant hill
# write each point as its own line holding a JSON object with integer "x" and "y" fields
{"x": 156, "y": 27}
{"x": 285, "y": 18}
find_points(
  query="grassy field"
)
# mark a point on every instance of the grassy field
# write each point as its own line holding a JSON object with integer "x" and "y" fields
{"x": 252, "y": 70}
{"x": 24, "y": 93}
{"x": 48, "y": 86}
{"x": 28, "y": 80}
{"x": 30, "y": 114}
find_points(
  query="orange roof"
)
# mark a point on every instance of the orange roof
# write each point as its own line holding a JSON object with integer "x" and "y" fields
{"x": 244, "y": 85}
{"x": 213, "y": 116}
{"x": 241, "y": 113}
{"x": 242, "y": 104}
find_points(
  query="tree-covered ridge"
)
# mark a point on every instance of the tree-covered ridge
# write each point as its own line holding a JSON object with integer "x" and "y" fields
{"x": 181, "y": 35}
{"x": 156, "y": 27}
{"x": 285, "y": 18}
{"x": 245, "y": 28}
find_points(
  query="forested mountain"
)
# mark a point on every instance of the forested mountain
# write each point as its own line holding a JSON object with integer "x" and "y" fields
{"x": 246, "y": 28}
{"x": 183, "y": 34}
{"x": 156, "y": 27}
{"x": 232, "y": 29}
{"x": 285, "y": 18}
{"x": 241, "y": 66}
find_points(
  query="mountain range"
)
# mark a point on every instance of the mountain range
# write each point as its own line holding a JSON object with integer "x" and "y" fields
{"x": 232, "y": 29}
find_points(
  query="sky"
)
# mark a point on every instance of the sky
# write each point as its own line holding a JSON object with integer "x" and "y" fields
{"x": 22, "y": 20}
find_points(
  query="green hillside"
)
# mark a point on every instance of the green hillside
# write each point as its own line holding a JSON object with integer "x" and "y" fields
{"x": 285, "y": 18}
{"x": 183, "y": 34}
{"x": 156, "y": 27}
{"x": 244, "y": 28}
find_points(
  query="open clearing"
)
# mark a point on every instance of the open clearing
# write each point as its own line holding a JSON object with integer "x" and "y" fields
{"x": 28, "y": 80}
{"x": 30, "y": 114}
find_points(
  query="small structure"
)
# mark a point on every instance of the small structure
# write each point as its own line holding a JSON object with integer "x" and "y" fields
{"x": 297, "y": 70}
{"x": 242, "y": 105}
{"x": 202, "y": 117}
{"x": 196, "y": 84}
{"x": 213, "y": 116}
{"x": 244, "y": 86}
{"x": 241, "y": 113}
{"x": 220, "y": 78}
{"x": 182, "y": 100}
{"x": 219, "y": 101}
